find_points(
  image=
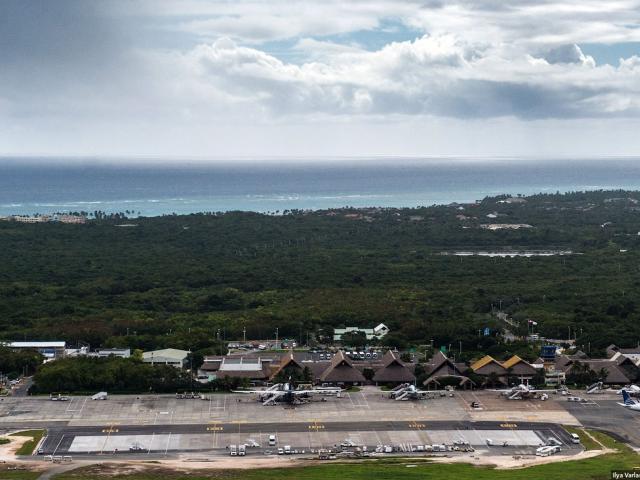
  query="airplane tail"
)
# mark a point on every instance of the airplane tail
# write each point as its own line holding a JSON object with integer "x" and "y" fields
{"x": 627, "y": 399}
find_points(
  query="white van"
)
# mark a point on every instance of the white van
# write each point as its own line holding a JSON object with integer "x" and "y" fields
{"x": 575, "y": 438}
{"x": 272, "y": 440}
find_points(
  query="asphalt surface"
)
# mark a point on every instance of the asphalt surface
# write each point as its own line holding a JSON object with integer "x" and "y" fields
{"x": 606, "y": 415}
{"x": 59, "y": 439}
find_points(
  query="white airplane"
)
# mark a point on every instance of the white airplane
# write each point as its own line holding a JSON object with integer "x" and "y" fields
{"x": 632, "y": 390}
{"x": 629, "y": 402}
{"x": 522, "y": 392}
{"x": 287, "y": 393}
{"x": 407, "y": 391}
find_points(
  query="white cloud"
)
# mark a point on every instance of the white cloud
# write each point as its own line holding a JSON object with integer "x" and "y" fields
{"x": 433, "y": 75}
{"x": 196, "y": 68}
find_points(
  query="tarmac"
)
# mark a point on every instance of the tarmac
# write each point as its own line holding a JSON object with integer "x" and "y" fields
{"x": 161, "y": 424}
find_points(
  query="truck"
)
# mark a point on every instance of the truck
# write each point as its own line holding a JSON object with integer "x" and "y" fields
{"x": 233, "y": 450}
{"x": 99, "y": 396}
{"x": 242, "y": 450}
{"x": 287, "y": 449}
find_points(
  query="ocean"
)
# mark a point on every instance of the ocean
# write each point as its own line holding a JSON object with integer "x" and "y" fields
{"x": 49, "y": 186}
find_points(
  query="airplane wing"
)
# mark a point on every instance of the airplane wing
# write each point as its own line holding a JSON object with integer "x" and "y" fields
{"x": 255, "y": 392}
{"x": 325, "y": 391}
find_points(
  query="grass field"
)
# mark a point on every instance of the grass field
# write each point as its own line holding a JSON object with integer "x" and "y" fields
{"x": 17, "y": 475}
{"x": 586, "y": 440}
{"x": 28, "y": 446}
{"x": 407, "y": 469}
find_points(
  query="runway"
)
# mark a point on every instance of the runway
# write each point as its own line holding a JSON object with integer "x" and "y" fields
{"x": 118, "y": 439}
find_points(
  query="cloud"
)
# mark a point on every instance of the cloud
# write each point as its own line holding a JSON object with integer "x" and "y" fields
{"x": 433, "y": 75}
{"x": 166, "y": 69}
{"x": 568, "y": 54}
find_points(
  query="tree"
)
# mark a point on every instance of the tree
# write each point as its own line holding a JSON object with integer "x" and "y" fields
{"x": 354, "y": 339}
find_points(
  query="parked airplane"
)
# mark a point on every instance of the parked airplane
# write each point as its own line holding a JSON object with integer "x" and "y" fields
{"x": 632, "y": 390}
{"x": 287, "y": 393}
{"x": 407, "y": 391}
{"x": 523, "y": 392}
{"x": 629, "y": 402}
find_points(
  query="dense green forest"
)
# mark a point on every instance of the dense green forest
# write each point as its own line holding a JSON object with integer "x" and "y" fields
{"x": 192, "y": 281}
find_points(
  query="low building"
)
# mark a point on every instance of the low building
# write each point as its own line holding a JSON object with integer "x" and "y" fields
{"x": 257, "y": 369}
{"x": 370, "y": 333}
{"x": 491, "y": 369}
{"x": 393, "y": 371}
{"x": 113, "y": 352}
{"x": 441, "y": 369}
{"x": 49, "y": 350}
{"x": 28, "y": 219}
{"x": 619, "y": 371}
{"x": 517, "y": 367}
{"x": 168, "y": 356}
{"x": 76, "y": 219}
{"x": 614, "y": 352}
{"x": 341, "y": 372}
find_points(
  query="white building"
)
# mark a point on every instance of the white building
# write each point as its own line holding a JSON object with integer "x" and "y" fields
{"x": 49, "y": 350}
{"x": 167, "y": 356}
{"x": 370, "y": 333}
{"x": 114, "y": 352}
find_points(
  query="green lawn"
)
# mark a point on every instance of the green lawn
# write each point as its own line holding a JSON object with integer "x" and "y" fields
{"x": 28, "y": 446}
{"x": 586, "y": 440}
{"x": 17, "y": 474}
{"x": 407, "y": 469}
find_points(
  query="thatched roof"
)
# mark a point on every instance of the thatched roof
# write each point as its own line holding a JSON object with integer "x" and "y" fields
{"x": 487, "y": 365}
{"x": 287, "y": 361}
{"x": 393, "y": 370}
{"x": 341, "y": 370}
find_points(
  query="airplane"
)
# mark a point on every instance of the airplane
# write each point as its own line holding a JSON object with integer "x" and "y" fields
{"x": 407, "y": 391}
{"x": 629, "y": 403}
{"x": 523, "y": 392}
{"x": 632, "y": 390}
{"x": 287, "y": 393}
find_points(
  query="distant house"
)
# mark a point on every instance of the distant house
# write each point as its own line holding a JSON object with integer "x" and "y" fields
{"x": 49, "y": 350}
{"x": 441, "y": 368}
{"x": 620, "y": 371}
{"x": 614, "y": 352}
{"x": 167, "y": 356}
{"x": 393, "y": 371}
{"x": 490, "y": 368}
{"x": 517, "y": 367}
{"x": 257, "y": 369}
{"x": 288, "y": 366}
{"x": 114, "y": 352}
{"x": 342, "y": 372}
{"x": 370, "y": 333}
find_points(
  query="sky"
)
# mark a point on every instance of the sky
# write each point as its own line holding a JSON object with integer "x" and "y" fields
{"x": 215, "y": 79}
